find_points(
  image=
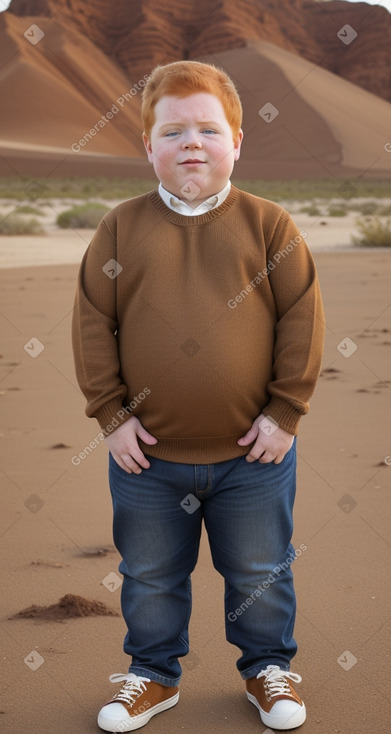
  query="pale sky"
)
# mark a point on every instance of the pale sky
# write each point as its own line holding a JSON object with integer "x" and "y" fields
{"x": 385, "y": 4}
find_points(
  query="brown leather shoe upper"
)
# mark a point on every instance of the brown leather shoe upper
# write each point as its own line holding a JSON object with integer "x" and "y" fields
{"x": 262, "y": 689}
{"x": 140, "y": 702}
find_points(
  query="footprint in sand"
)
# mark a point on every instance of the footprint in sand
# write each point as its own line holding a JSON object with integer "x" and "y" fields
{"x": 330, "y": 373}
{"x": 48, "y": 564}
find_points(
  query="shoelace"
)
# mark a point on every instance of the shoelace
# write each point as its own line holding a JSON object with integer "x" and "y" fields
{"x": 133, "y": 687}
{"x": 276, "y": 680}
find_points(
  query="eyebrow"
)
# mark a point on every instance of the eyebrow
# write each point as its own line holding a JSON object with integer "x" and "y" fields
{"x": 179, "y": 124}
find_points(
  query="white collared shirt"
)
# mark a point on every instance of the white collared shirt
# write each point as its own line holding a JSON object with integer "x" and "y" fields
{"x": 181, "y": 207}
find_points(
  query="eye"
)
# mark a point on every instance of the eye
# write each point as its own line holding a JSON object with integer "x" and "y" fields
{"x": 170, "y": 134}
{"x": 208, "y": 131}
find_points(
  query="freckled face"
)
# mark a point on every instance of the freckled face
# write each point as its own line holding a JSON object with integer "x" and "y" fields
{"x": 191, "y": 146}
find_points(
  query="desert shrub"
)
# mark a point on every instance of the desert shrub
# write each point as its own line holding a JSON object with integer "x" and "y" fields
{"x": 27, "y": 209}
{"x": 384, "y": 211}
{"x": 336, "y": 211}
{"x": 85, "y": 216}
{"x": 366, "y": 208}
{"x": 14, "y": 225}
{"x": 311, "y": 209}
{"x": 372, "y": 233}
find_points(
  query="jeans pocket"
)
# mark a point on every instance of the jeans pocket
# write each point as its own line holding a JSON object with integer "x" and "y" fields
{"x": 115, "y": 467}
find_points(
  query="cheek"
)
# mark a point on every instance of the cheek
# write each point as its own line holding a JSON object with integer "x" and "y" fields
{"x": 224, "y": 155}
{"x": 163, "y": 155}
{"x": 222, "y": 146}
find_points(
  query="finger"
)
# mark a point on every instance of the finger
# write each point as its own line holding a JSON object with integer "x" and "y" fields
{"x": 257, "y": 450}
{"x": 126, "y": 462}
{"x": 281, "y": 456}
{"x": 135, "y": 457}
{"x": 254, "y": 454}
{"x": 139, "y": 459}
{"x": 131, "y": 466}
{"x": 249, "y": 437}
{"x": 145, "y": 436}
{"x": 267, "y": 457}
{"x": 120, "y": 463}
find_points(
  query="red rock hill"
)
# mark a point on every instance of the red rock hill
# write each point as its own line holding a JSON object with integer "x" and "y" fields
{"x": 138, "y": 34}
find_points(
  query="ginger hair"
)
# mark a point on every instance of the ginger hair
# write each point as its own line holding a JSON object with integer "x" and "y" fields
{"x": 183, "y": 78}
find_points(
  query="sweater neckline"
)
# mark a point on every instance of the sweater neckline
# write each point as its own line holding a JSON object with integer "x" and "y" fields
{"x": 188, "y": 221}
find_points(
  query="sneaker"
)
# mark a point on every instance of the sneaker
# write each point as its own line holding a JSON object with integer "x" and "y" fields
{"x": 134, "y": 705}
{"x": 274, "y": 696}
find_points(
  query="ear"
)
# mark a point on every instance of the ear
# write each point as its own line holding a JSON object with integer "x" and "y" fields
{"x": 148, "y": 147}
{"x": 238, "y": 144}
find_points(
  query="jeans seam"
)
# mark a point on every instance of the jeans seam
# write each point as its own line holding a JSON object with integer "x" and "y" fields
{"x": 209, "y": 485}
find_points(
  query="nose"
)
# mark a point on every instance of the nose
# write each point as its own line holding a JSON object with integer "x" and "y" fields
{"x": 191, "y": 141}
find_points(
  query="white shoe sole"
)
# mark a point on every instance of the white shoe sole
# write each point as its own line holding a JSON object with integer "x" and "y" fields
{"x": 129, "y": 723}
{"x": 279, "y": 722}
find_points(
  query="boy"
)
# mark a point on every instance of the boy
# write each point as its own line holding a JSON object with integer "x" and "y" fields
{"x": 198, "y": 333}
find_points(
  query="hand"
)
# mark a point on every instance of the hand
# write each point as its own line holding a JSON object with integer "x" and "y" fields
{"x": 124, "y": 447}
{"x": 267, "y": 448}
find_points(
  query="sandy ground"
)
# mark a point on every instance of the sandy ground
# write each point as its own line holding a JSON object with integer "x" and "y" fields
{"x": 56, "y": 518}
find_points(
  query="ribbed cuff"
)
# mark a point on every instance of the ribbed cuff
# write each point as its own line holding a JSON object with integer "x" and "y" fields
{"x": 284, "y": 414}
{"x": 112, "y": 415}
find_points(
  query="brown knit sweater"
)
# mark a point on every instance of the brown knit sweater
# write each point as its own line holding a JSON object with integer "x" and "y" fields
{"x": 199, "y": 325}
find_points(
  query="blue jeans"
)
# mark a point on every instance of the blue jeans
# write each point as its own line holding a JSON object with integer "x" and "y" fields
{"x": 247, "y": 510}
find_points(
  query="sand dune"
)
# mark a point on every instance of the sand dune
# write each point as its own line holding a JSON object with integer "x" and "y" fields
{"x": 59, "y": 89}
{"x": 320, "y": 114}
{"x": 323, "y": 126}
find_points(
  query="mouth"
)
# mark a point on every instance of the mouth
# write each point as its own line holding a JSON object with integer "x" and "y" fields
{"x": 192, "y": 162}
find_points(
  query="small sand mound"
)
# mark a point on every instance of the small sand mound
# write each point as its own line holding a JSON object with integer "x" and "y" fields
{"x": 69, "y": 606}
{"x": 96, "y": 552}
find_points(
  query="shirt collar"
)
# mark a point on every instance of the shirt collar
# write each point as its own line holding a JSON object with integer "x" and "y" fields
{"x": 181, "y": 207}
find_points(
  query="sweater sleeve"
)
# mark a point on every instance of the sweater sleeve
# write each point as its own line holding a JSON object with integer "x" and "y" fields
{"x": 300, "y": 328}
{"x": 94, "y": 327}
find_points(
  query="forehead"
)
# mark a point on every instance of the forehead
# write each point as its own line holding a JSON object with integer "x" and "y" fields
{"x": 200, "y": 107}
